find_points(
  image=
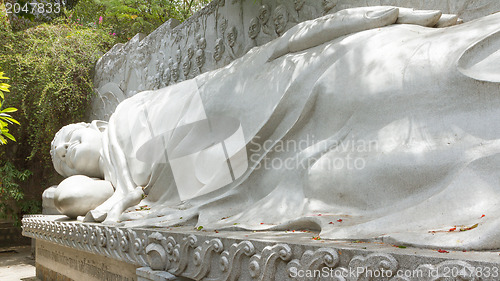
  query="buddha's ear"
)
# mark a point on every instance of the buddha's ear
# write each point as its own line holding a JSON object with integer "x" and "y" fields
{"x": 481, "y": 60}
{"x": 99, "y": 125}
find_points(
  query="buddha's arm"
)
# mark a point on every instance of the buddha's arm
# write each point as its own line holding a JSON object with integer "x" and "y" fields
{"x": 127, "y": 193}
{"x": 315, "y": 32}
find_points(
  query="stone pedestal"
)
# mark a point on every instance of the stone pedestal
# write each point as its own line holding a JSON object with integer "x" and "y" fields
{"x": 57, "y": 262}
{"x": 83, "y": 251}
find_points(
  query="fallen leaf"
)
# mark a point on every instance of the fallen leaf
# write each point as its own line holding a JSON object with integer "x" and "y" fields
{"x": 443, "y": 251}
{"x": 468, "y": 228}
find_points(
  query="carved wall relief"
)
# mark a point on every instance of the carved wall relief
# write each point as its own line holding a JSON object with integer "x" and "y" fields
{"x": 186, "y": 66}
{"x": 175, "y": 72}
{"x": 125, "y": 64}
{"x": 304, "y": 11}
{"x": 166, "y": 77}
{"x": 264, "y": 15}
{"x": 190, "y": 51}
{"x": 328, "y": 5}
{"x": 280, "y": 18}
{"x": 219, "y": 49}
{"x": 200, "y": 60}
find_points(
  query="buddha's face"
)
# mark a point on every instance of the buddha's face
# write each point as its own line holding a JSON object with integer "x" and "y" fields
{"x": 329, "y": 4}
{"x": 186, "y": 66}
{"x": 202, "y": 43}
{"x": 76, "y": 150}
{"x": 178, "y": 56}
{"x": 298, "y": 4}
{"x": 166, "y": 75}
{"x": 254, "y": 28}
{"x": 200, "y": 58}
{"x": 264, "y": 14}
{"x": 190, "y": 52}
{"x": 231, "y": 37}
{"x": 175, "y": 72}
{"x": 280, "y": 19}
{"x": 219, "y": 49}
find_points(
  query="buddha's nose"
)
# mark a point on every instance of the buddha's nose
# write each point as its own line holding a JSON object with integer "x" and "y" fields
{"x": 61, "y": 149}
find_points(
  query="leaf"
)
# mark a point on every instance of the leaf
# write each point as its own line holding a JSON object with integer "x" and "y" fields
{"x": 9, "y": 136}
{"x": 4, "y": 87}
{"x": 199, "y": 227}
{"x": 8, "y": 109}
{"x": 9, "y": 119}
{"x": 468, "y": 228}
{"x": 2, "y": 76}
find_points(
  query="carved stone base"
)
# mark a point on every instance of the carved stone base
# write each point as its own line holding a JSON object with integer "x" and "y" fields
{"x": 293, "y": 255}
{"x": 56, "y": 262}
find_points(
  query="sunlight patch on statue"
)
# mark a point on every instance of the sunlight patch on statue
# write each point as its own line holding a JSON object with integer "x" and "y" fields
{"x": 205, "y": 152}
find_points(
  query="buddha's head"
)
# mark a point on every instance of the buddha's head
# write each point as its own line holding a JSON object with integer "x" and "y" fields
{"x": 186, "y": 66}
{"x": 280, "y": 18}
{"x": 298, "y": 4}
{"x": 254, "y": 28}
{"x": 329, "y": 4}
{"x": 232, "y": 36}
{"x": 200, "y": 58}
{"x": 219, "y": 49}
{"x": 264, "y": 13}
{"x": 76, "y": 149}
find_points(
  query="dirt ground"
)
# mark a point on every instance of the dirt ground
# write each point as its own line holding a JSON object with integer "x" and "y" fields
{"x": 16, "y": 263}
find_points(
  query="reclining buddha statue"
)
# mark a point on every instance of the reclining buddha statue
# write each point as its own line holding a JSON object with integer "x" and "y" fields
{"x": 369, "y": 123}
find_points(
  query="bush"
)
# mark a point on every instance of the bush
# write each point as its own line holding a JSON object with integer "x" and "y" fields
{"x": 50, "y": 69}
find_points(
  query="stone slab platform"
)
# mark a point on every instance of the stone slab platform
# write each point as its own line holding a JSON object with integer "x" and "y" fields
{"x": 188, "y": 253}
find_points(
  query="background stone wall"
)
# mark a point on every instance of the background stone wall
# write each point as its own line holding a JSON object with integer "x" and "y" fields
{"x": 221, "y": 32}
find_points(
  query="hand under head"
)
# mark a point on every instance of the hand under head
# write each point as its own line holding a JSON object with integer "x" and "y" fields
{"x": 76, "y": 149}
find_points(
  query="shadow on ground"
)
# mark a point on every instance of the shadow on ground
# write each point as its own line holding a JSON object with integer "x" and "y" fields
{"x": 16, "y": 263}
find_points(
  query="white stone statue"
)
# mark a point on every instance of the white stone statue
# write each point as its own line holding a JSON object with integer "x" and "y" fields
{"x": 349, "y": 124}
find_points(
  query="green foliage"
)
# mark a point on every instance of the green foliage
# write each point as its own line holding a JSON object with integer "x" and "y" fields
{"x": 50, "y": 67}
{"x": 11, "y": 195}
{"x": 5, "y": 118}
{"x": 125, "y": 18}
